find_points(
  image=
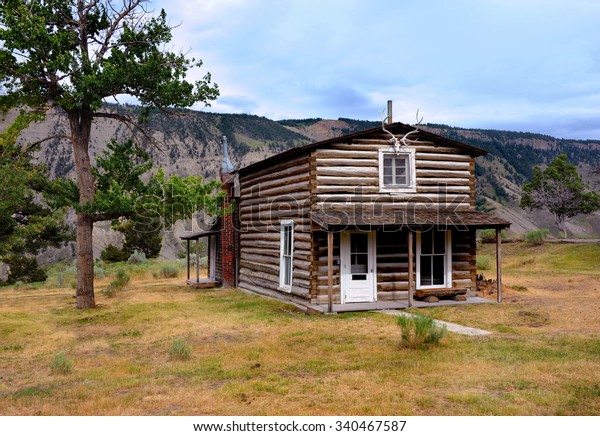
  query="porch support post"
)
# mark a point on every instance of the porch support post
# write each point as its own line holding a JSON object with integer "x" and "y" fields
{"x": 198, "y": 260}
{"x": 330, "y": 272}
{"x": 499, "y": 264}
{"x": 411, "y": 278}
{"x": 188, "y": 259}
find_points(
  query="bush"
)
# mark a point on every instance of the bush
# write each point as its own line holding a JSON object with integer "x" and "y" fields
{"x": 483, "y": 262}
{"x": 137, "y": 257}
{"x": 23, "y": 269}
{"x": 117, "y": 284}
{"x": 169, "y": 271}
{"x": 114, "y": 254}
{"x": 61, "y": 364}
{"x": 180, "y": 350}
{"x": 536, "y": 237}
{"x": 121, "y": 279}
{"x": 488, "y": 236}
{"x": 420, "y": 331}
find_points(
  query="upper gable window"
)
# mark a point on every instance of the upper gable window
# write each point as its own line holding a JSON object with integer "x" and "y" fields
{"x": 397, "y": 171}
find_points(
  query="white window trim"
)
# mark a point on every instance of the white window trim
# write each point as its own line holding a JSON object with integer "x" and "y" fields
{"x": 448, "y": 278}
{"x": 282, "y": 285}
{"x": 411, "y": 168}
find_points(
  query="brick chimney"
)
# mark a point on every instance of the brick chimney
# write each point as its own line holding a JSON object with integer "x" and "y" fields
{"x": 228, "y": 234}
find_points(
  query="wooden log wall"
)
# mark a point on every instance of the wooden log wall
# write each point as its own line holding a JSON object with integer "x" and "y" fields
{"x": 464, "y": 269}
{"x": 445, "y": 176}
{"x": 268, "y": 196}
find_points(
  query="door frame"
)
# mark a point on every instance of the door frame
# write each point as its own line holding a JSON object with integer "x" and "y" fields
{"x": 345, "y": 264}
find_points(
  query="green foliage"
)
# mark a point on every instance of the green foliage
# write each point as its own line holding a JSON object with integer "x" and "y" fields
{"x": 27, "y": 224}
{"x": 536, "y": 237}
{"x": 61, "y": 364}
{"x": 143, "y": 234}
{"x": 180, "y": 350}
{"x": 117, "y": 284}
{"x": 483, "y": 262}
{"x": 488, "y": 236}
{"x": 419, "y": 331}
{"x": 113, "y": 254}
{"x": 137, "y": 257}
{"x": 560, "y": 189}
{"x": 121, "y": 279}
{"x": 169, "y": 271}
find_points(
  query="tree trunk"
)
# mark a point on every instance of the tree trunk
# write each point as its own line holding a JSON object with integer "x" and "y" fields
{"x": 561, "y": 222}
{"x": 81, "y": 122}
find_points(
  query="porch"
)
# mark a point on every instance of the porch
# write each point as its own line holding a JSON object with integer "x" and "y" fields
{"x": 193, "y": 254}
{"x": 418, "y": 255}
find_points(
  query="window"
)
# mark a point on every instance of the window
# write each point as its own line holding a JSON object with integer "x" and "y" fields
{"x": 286, "y": 256}
{"x": 434, "y": 259}
{"x": 396, "y": 171}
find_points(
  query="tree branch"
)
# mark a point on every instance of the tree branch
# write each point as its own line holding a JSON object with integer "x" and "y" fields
{"x": 132, "y": 125}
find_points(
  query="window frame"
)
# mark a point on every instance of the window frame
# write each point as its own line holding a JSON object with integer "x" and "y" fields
{"x": 285, "y": 283}
{"x": 410, "y": 187}
{"x": 447, "y": 263}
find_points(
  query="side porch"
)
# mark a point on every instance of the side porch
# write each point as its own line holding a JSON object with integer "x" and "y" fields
{"x": 194, "y": 242}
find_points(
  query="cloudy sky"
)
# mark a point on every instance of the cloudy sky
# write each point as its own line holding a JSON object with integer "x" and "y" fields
{"x": 527, "y": 65}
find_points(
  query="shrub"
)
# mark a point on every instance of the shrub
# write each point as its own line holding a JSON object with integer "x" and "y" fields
{"x": 180, "y": 350}
{"x": 121, "y": 279}
{"x": 23, "y": 269}
{"x": 114, "y": 254}
{"x": 61, "y": 364}
{"x": 488, "y": 236}
{"x": 169, "y": 271}
{"x": 483, "y": 262}
{"x": 536, "y": 237}
{"x": 418, "y": 331}
{"x": 137, "y": 257}
{"x": 117, "y": 284}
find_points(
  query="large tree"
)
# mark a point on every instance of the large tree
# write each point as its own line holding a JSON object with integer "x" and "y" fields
{"x": 560, "y": 189}
{"x": 69, "y": 56}
{"x": 27, "y": 223}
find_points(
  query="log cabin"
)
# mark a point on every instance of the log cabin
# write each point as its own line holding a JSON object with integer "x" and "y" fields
{"x": 382, "y": 218}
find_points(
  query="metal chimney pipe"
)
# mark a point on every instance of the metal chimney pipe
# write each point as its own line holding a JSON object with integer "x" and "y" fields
{"x": 389, "y": 111}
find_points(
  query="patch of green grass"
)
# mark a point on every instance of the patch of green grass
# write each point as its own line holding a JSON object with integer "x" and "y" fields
{"x": 483, "y": 262}
{"x": 33, "y": 391}
{"x": 11, "y": 347}
{"x": 61, "y": 364}
{"x": 180, "y": 350}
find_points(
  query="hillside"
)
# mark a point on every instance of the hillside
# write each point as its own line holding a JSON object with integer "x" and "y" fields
{"x": 189, "y": 143}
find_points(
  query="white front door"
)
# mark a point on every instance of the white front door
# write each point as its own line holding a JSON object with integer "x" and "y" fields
{"x": 358, "y": 267}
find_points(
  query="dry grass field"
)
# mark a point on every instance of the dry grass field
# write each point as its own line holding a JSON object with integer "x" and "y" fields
{"x": 252, "y": 356}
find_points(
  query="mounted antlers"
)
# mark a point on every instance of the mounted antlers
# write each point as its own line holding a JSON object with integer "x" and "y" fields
{"x": 404, "y": 141}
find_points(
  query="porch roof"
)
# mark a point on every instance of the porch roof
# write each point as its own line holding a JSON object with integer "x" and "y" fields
{"x": 337, "y": 219}
{"x": 197, "y": 235}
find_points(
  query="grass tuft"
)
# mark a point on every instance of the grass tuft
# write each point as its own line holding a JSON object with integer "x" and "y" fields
{"x": 61, "y": 364}
{"x": 180, "y": 350}
{"x": 420, "y": 332}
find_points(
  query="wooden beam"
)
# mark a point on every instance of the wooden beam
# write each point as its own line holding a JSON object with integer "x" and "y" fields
{"x": 330, "y": 272}
{"x": 197, "y": 259}
{"x": 499, "y": 263}
{"x": 411, "y": 278}
{"x": 188, "y": 259}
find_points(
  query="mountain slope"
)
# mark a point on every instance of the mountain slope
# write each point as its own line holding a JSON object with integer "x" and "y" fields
{"x": 189, "y": 143}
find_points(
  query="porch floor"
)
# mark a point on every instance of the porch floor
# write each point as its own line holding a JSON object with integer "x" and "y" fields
{"x": 203, "y": 283}
{"x": 392, "y": 304}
